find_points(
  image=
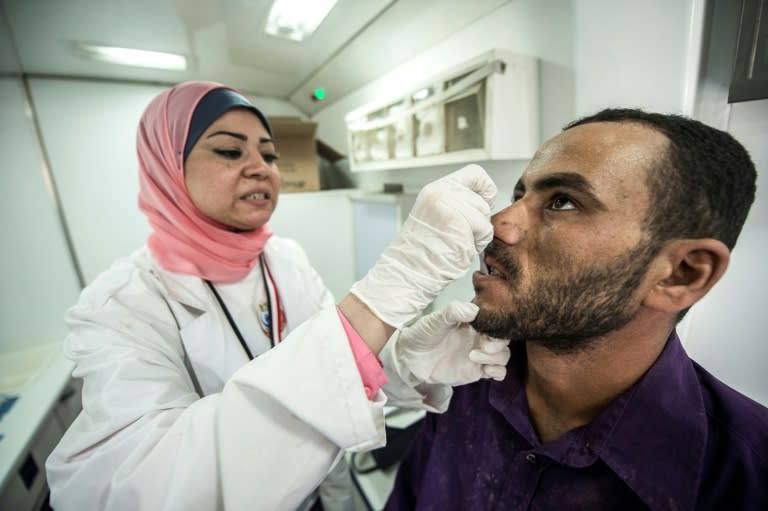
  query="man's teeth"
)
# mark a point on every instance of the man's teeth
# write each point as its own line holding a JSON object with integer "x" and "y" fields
{"x": 488, "y": 270}
{"x": 255, "y": 196}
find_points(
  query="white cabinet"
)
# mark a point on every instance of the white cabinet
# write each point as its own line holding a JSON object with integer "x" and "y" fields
{"x": 46, "y": 402}
{"x": 484, "y": 109}
{"x": 26, "y": 488}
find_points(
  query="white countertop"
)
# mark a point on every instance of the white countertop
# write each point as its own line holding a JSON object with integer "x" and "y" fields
{"x": 37, "y": 377}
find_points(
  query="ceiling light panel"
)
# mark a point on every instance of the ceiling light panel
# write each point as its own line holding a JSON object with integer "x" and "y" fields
{"x": 297, "y": 19}
{"x": 133, "y": 57}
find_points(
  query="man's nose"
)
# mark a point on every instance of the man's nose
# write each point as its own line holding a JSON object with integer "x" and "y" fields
{"x": 510, "y": 225}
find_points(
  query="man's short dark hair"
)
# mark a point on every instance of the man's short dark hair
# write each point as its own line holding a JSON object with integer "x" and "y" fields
{"x": 702, "y": 188}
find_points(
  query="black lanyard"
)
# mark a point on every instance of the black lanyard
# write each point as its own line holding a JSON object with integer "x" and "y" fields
{"x": 231, "y": 321}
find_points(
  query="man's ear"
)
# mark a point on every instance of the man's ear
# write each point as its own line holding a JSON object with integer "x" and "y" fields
{"x": 687, "y": 270}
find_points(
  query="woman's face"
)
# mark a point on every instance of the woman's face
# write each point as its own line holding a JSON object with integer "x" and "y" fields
{"x": 231, "y": 172}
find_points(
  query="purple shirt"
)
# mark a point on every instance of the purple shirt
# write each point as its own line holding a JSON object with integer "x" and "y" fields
{"x": 678, "y": 439}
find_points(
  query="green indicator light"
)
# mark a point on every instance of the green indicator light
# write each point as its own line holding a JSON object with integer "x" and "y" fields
{"x": 318, "y": 94}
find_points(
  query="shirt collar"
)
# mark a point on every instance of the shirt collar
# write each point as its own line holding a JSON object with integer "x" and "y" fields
{"x": 657, "y": 442}
{"x": 653, "y": 436}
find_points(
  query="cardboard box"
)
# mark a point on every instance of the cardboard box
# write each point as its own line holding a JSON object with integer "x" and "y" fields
{"x": 298, "y": 163}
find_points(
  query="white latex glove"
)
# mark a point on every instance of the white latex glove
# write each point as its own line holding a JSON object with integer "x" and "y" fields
{"x": 443, "y": 348}
{"x": 439, "y": 241}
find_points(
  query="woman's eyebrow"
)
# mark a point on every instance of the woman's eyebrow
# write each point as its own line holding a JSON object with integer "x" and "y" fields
{"x": 239, "y": 136}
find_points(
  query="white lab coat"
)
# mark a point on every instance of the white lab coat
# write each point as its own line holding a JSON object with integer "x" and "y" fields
{"x": 264, "y": 439}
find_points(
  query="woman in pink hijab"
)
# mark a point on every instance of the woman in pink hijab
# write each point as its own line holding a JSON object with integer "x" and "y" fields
{"x": 218, "y": 371}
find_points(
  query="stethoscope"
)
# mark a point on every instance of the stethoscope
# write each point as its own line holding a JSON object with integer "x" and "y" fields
{"x": 275, "y": 318}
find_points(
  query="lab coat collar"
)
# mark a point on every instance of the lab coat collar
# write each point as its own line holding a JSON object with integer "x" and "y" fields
{"x": 188, "y": 290}
{"x": 282, "y": 260}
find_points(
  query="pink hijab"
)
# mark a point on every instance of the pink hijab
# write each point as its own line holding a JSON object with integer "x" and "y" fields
{"x": 183, "y": 239}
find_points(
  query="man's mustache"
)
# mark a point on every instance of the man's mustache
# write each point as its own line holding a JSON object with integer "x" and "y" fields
{"x": 499, "y": 252}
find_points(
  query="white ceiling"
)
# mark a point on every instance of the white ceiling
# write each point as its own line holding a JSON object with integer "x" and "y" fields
{"x": 359, "y": 41}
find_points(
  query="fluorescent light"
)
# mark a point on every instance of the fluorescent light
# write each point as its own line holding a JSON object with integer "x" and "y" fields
{"x": 422, "y": 94}
{"x": 297, "y": 19}
{"x": 133, "y": 57}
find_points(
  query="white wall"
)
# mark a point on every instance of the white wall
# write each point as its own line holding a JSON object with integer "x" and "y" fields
{"x": 322, "y": 223}
{"x": 727, "y": 328}
{"x": 633, "y": 54}
{"x": 38, "y": 278}
{"x": 89, "y": 131}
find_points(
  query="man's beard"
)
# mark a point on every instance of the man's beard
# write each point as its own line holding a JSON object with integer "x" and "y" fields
{"x": 564, "y": 311}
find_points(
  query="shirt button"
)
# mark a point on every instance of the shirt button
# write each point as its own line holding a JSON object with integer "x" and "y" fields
{"x": 530, "y": 457}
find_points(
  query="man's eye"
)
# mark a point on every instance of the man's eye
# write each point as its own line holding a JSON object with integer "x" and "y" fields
{"x": 270, "y": 157}
{"x": 562, "y": 203}
{"x": 230, "y": 154}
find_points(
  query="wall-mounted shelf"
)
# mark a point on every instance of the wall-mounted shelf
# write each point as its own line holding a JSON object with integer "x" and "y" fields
{"x": 483, "y": 109}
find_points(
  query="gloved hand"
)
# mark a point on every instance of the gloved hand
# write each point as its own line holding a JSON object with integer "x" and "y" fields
{"x": 439, "y": 241}
{"x": 443, "y": 348}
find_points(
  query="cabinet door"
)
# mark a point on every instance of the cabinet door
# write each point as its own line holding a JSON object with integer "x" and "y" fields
{"x": 750, "y": 75}
{"x": 27, "y": 488}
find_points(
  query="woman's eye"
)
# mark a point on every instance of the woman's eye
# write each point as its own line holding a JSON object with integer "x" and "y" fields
{"x": 270, "y": 157}
{"x": 562, "y": 203}
{"x": 230, "y": 154}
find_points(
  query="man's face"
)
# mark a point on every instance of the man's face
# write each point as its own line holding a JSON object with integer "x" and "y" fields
{"x": 570, "y": 253}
